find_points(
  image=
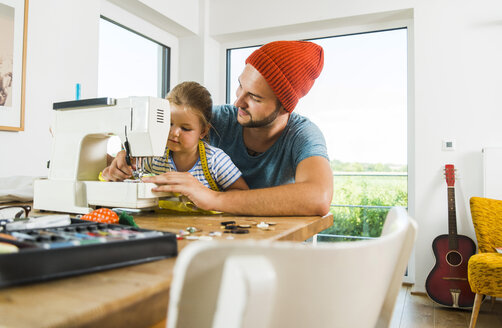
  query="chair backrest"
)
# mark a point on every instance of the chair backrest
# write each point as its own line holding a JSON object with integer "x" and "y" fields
{"x": 284, "y": 284}
{"x": 487, "y": 220}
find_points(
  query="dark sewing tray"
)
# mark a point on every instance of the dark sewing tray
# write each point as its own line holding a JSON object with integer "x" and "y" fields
{"x": 34, "y": 263}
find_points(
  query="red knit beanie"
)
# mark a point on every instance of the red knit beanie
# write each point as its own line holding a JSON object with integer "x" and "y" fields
{"x": 289, "y": 67}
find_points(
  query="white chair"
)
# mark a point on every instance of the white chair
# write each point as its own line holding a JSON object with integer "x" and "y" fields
{"x": 255, "y": 284}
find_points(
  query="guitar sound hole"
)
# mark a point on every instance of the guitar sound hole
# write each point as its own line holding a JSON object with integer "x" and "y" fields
{"x": 454, "y": 258}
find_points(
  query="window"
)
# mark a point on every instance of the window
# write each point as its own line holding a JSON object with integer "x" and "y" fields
{"x": 236, "y": 59}
{"x": 130, "y": 64}
{"x": 360, "y": 103}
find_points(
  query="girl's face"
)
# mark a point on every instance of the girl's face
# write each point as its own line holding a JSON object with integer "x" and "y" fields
{"x": 186, "y": 130}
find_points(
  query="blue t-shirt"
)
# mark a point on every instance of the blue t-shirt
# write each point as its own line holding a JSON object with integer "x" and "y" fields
{"x": 277, "y": 166}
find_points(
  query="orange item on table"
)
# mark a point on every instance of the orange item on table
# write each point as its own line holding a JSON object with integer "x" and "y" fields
{"x": 102, "y": 215}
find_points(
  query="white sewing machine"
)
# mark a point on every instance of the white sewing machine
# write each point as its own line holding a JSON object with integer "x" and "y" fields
{"x": 79, "y": 153}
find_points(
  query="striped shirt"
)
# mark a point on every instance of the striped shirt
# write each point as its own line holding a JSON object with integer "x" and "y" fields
{"x": 221, "y": 167}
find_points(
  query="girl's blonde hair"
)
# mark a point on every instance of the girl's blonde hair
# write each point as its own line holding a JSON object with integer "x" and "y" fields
{"x": 193, "y": 96}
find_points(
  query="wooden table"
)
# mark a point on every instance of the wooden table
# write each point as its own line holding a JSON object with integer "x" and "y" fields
{"x": 134, "y": 296}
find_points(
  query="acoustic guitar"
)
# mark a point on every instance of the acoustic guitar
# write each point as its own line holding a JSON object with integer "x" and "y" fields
{"x": 447, "y": 283}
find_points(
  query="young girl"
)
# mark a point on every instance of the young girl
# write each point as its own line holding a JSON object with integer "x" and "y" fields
{"x": 186, "y": 150}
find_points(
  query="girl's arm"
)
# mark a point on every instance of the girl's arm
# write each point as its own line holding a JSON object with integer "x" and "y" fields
{"x": 239, "y": 184}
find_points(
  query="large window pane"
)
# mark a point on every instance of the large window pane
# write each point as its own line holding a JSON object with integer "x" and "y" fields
{"x": 130, "y": 64}
{"x": 360, "y": 99}
{"x": 360, "y": 103}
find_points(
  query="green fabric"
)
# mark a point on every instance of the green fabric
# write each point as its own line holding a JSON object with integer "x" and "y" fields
{"x": 127, "y": 219}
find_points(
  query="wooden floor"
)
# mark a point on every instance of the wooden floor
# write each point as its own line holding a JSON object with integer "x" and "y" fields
{"x": 416, "y": 310}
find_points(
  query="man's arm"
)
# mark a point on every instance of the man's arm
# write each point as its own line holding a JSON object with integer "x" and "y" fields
{"x": 311, "y": 194}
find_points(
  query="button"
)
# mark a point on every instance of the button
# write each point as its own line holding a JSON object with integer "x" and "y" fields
{"x": 192, "y": 229}
{"x": 262, "y": 225}
{"x": 224, "y": 223}
{"x": 240, "y": 231}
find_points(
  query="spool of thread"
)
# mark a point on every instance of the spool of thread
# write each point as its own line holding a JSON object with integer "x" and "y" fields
{"x": 8, "y": 248}
{"x": 77, "y": 91}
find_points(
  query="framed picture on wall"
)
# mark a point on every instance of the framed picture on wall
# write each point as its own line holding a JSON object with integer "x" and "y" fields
{"x": 13, "y": 31}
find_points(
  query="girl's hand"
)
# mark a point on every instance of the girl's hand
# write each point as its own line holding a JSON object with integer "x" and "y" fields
{"x": 185, "y": 184}
{"x": 118, "y": 170}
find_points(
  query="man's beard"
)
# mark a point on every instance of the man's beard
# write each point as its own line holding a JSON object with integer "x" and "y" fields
{"x": 263, "y": 122}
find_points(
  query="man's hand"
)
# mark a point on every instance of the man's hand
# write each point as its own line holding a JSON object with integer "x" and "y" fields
{"x": 118, "y": 170}
{"x": 185, "y": 184}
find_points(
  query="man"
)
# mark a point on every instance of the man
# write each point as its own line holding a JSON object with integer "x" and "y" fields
{"x": 281, "y": 154}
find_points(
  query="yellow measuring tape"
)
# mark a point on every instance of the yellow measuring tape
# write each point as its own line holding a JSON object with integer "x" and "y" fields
{"x": 205, "y": 168}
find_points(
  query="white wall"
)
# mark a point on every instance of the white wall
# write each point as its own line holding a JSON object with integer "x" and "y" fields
{"x": 62, "y": 51}
{"x": 181, "y": 14}
{"x": 456, "y": 79}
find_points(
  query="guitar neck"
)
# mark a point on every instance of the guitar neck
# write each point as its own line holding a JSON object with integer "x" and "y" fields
{"x": 452, "y": 219}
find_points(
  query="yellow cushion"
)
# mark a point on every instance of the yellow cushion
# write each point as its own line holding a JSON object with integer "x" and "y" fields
{"x": 487, "y": 220}
{"x": 485, "y": 274}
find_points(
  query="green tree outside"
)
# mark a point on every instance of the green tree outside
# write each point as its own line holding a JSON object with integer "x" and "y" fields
{"x": 376, "y": 192}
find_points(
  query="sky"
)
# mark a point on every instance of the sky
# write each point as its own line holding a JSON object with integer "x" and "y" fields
{"x": 360, "y": 99}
